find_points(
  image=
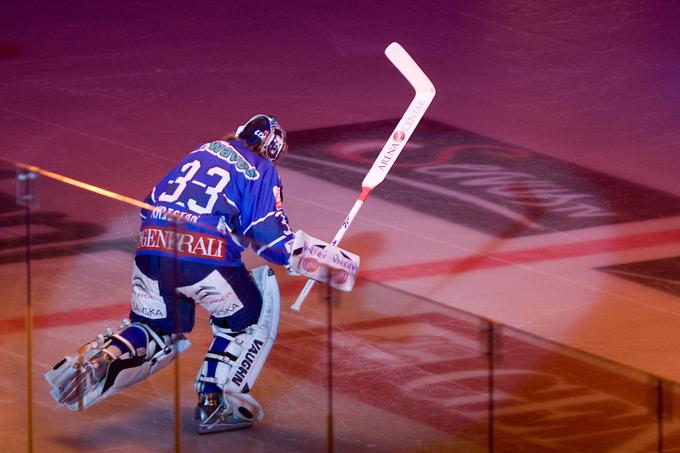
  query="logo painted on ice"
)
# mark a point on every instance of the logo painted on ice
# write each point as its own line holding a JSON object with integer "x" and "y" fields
{"x": 491, "y": 187}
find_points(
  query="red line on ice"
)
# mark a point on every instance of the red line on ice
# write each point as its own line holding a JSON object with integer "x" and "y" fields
{"x": 553, "y": 252}
{"x": 453, "y": 266}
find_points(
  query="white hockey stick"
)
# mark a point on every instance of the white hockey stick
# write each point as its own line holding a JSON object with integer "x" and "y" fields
{"x": 424, "y": 94}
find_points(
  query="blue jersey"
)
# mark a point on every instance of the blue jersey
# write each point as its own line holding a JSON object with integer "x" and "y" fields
{"x": 226, "y": 198}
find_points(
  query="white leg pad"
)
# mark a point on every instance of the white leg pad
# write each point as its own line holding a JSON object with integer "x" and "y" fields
{"x": 73, "y": 379}
{"x": 258, "y": 343}
{"x": 238, "y": 369}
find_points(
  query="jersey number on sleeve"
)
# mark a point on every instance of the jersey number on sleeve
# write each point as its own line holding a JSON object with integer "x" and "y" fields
{"x": 191, "y": 174}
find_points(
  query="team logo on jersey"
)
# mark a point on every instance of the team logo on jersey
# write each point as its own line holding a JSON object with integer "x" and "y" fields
{"x": 228, "y": 153}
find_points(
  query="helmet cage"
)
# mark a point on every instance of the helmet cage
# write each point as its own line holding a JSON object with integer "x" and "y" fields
{"x": 263, "y": 133}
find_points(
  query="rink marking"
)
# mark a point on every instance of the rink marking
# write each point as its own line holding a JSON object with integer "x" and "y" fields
{"x": 396, "y": 273}
{"x": 66, "y": 318}
{"x": 455, "y": 194}
{"x": 519, "y": 257}
{"x": 443, "y": 380}
{"x": 102, "y": 312}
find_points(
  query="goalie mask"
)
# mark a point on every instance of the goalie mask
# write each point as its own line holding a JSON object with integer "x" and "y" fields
{"x": 264, "y": 133}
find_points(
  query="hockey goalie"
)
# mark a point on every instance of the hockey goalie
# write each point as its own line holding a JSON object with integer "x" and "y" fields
{"x": 221, "y": 198}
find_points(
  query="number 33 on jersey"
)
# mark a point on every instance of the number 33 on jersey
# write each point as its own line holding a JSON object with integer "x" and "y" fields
{"x": 220, "y": 189}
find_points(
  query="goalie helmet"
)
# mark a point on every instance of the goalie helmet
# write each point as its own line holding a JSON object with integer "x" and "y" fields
{"x": 264, "y": 133}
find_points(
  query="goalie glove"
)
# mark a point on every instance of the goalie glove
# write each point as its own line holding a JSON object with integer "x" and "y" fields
{"x": 323, "y": 262}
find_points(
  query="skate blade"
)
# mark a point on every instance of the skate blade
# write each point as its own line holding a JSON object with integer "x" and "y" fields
{"x": 224, "y": 426}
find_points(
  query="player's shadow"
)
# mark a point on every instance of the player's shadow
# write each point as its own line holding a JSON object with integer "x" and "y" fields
{"x": 366, "y": 244}
{"x": 487, "y": 253}
{"x": 134, "y": 422}
{"x": 151, "y": 428}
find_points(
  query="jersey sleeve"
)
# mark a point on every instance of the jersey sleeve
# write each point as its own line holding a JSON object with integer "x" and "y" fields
{"x": 150, "y": 199}
{"x": 269, "y": 227}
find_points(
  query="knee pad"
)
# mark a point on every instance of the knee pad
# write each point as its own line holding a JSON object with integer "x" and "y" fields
{"x": 98, "y": 372}
{"x": 235, "y": 366}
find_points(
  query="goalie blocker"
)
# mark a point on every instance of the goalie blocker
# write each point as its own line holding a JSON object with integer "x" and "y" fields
{"x": 323, "y": 262}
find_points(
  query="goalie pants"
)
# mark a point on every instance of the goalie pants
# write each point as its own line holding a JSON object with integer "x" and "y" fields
{"x": 228, "y": 293}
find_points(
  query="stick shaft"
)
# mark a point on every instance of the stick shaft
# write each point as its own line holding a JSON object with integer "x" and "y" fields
{"x": 336, "y": 240}
{"x": 350, "y": 217}
{"x": 425, "y": 92}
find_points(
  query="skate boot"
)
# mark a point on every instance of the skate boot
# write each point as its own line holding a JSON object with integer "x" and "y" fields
{"x": 214, "y": 415}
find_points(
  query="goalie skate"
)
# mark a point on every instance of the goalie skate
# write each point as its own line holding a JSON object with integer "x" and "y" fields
{"x": 224, "y": 412}
{"x": 72, "y": 378}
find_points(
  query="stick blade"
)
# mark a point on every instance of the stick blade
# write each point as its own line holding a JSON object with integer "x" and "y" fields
{"x": 425, "y": 93}
{"x": 409, "y": 69}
